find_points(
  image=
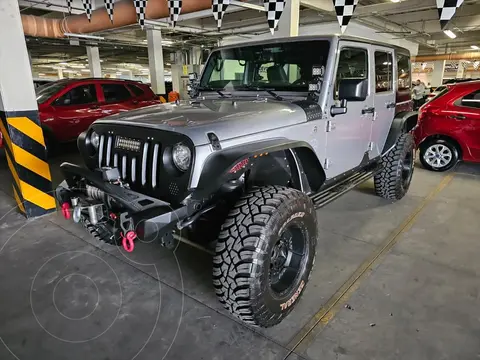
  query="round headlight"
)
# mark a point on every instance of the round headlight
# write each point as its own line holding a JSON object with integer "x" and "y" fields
{"x": 182, "y": 157}
{"x": 95, "y": 140}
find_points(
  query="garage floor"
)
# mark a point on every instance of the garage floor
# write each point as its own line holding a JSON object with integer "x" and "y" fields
{"x": 391, "y": 281}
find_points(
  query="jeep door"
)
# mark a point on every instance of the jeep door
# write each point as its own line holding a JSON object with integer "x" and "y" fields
{"x": 384, "y": 96}
{"x": 348, "y": 135}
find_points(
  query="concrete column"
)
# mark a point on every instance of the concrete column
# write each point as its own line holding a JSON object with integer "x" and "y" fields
{"x": 60, "y": 73}
{"x": 155, "y": 60}
{"x": 437, "y": 74}
{"x": 196, "y": 55}
{"x": 177, "y": 72}
{"x": 94, "y": 61}
{"x": 289, "y": 23}
{"x": 19, "y": 120}
{"x": 460, "y": 70}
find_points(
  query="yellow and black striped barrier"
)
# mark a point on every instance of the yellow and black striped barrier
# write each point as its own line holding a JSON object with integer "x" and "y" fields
{"x": 27, "y": 160}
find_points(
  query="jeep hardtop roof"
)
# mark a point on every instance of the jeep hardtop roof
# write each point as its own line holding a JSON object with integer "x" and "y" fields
{"x": 332, "y": 37}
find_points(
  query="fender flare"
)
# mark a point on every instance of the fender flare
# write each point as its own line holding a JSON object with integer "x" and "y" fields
{"x": 219, "y": 166}
{"x": 404, "y": 122}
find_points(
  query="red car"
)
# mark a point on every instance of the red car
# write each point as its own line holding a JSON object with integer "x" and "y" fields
{"x": 68, "y": 107}
{"x": 449, "y": 127}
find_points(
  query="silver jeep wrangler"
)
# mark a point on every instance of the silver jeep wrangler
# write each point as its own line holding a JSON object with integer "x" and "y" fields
{"x": 274, "y": 130}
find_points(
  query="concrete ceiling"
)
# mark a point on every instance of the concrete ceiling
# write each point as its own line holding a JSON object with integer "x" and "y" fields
{"x": 413, "y": 20}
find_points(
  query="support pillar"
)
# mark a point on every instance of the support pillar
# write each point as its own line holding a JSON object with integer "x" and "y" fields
{"x": 177, "y": 71}
{"x": 460, "y": 70}
{"x": 19, "y": 122}
{"x": 60, "y": 73}
{"x": 155, "y": 61}
{"x": 94, "y": 61}
{"x": 437, "y": 74}
{"x": 290, "y": 21}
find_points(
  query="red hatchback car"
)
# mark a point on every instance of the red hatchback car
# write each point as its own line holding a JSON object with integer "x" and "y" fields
{"x": 449, "y": 127}
{"x": 68, "y": 107}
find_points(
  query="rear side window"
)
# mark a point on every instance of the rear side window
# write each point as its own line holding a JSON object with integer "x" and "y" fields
{"x": 383, "y": 72}
{"x": 136, "y": 90}
{"x": 115, "y": 92}
{"x": 403, "y": 68}
{"x": 80, "y": 95}
{"x": 472, "y": 100}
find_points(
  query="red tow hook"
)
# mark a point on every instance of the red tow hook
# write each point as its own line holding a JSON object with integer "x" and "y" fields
{"x": 66, "y": 210}
{"x": 127, "y": 241}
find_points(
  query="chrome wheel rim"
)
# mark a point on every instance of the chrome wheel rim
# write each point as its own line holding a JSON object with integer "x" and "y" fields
{"x": 438, "y": 156}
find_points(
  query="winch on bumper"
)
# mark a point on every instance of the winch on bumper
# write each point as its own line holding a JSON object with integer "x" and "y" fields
{"x": 113, "y": 212}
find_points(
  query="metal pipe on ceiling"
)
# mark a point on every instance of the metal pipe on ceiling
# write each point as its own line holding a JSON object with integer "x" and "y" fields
{"x": 459, "y": 56}
{"x": 124, "y": 15}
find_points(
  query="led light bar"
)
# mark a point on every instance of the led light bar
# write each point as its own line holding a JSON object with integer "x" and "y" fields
{"x": 128, "y": 144}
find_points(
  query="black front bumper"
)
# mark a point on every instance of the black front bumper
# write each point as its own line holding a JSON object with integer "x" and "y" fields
{"x": 152, "y": 217}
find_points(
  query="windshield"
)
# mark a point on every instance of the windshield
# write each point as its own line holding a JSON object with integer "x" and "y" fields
{"x": 45, "y": 92}
{"x": 277, "y": 67}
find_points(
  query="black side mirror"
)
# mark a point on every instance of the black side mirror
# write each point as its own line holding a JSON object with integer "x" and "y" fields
{"x": 193, "y": 76}
{"x": 340, "y": 109}
{"x": 353, "y": 89}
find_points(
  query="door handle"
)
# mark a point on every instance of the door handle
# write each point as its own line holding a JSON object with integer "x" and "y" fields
{"x": 457, "y": 117}
{"x": 369, "y": 110}
{"x": 391, "y": 105}
{"x": 94, "y": 107}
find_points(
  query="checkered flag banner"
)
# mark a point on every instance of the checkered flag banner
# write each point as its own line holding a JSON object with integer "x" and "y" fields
{"x": 69, "y": 6}
{"x": 140, "y": 7}
{"x": 465, "y": 64}
{"x": 109, "y": 4}
{"x": 219, "y": 7}
{"x": 446, "y": 10}
{"x": 476, "y": 65}
{"x": 87, "y": 5}
{"x": 274, "y": 10}
{"x": 344, "y": 10}
{"x": 175, "y": 8}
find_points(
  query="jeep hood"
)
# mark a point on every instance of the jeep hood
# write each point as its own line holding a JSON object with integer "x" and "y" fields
{"x": 227, "y": 118}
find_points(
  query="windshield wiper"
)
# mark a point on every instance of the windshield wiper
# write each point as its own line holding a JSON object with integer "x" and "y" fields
{"x": 268, "y": 91}
{"x": 218, "y": 91}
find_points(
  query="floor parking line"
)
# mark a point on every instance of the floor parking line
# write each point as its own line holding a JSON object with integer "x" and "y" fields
{"x": 327, "y": 312}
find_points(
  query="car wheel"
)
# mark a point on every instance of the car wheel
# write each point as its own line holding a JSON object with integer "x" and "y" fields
{"x": 265, "y": 253}
{"x": 438, "y": 155}
{"x": 394, "y": 180}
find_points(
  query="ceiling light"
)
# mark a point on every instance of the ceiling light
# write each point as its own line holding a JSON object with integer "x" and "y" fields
{"x": 41, "y": 74}
{"x": 395, "y": 1}
{"x": 85, "y": 70}
{"x": 63, "y": 63}
{"x": 450, "y": 34}
{"x": 84, "y": 36}
{"x": 474, "y": 47}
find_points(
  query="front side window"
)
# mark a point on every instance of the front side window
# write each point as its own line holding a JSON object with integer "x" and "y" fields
{"x": 280, "y": 67}
{"x": 383, "y": 72}
{"x": 136, "y": 90}
{"x": 80, "y": 95}
{"x": 472, "y": 100}
{"x": 403, "y": 68}
{"x": 115, "y": 93}
{"x": 352, "y": 64}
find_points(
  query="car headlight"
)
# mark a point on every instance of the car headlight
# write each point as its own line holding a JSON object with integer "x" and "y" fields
{"x": 95, "y": 139}
{"x": 182, "y": 157}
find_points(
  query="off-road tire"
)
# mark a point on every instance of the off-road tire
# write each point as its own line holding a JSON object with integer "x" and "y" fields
{"x": 242, "y": 264}
{"x": 389, "y": 183}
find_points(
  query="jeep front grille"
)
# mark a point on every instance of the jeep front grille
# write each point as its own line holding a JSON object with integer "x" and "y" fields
{"x": 143, "y": 159}
{"x": 133, "y": 166}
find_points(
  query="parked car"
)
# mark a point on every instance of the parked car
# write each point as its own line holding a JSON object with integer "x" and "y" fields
{"x": 276, "y": 130}
{"x": 68, "y": 107}
{"x": 434, "y": 93}
{"x": 449, "y": 127}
